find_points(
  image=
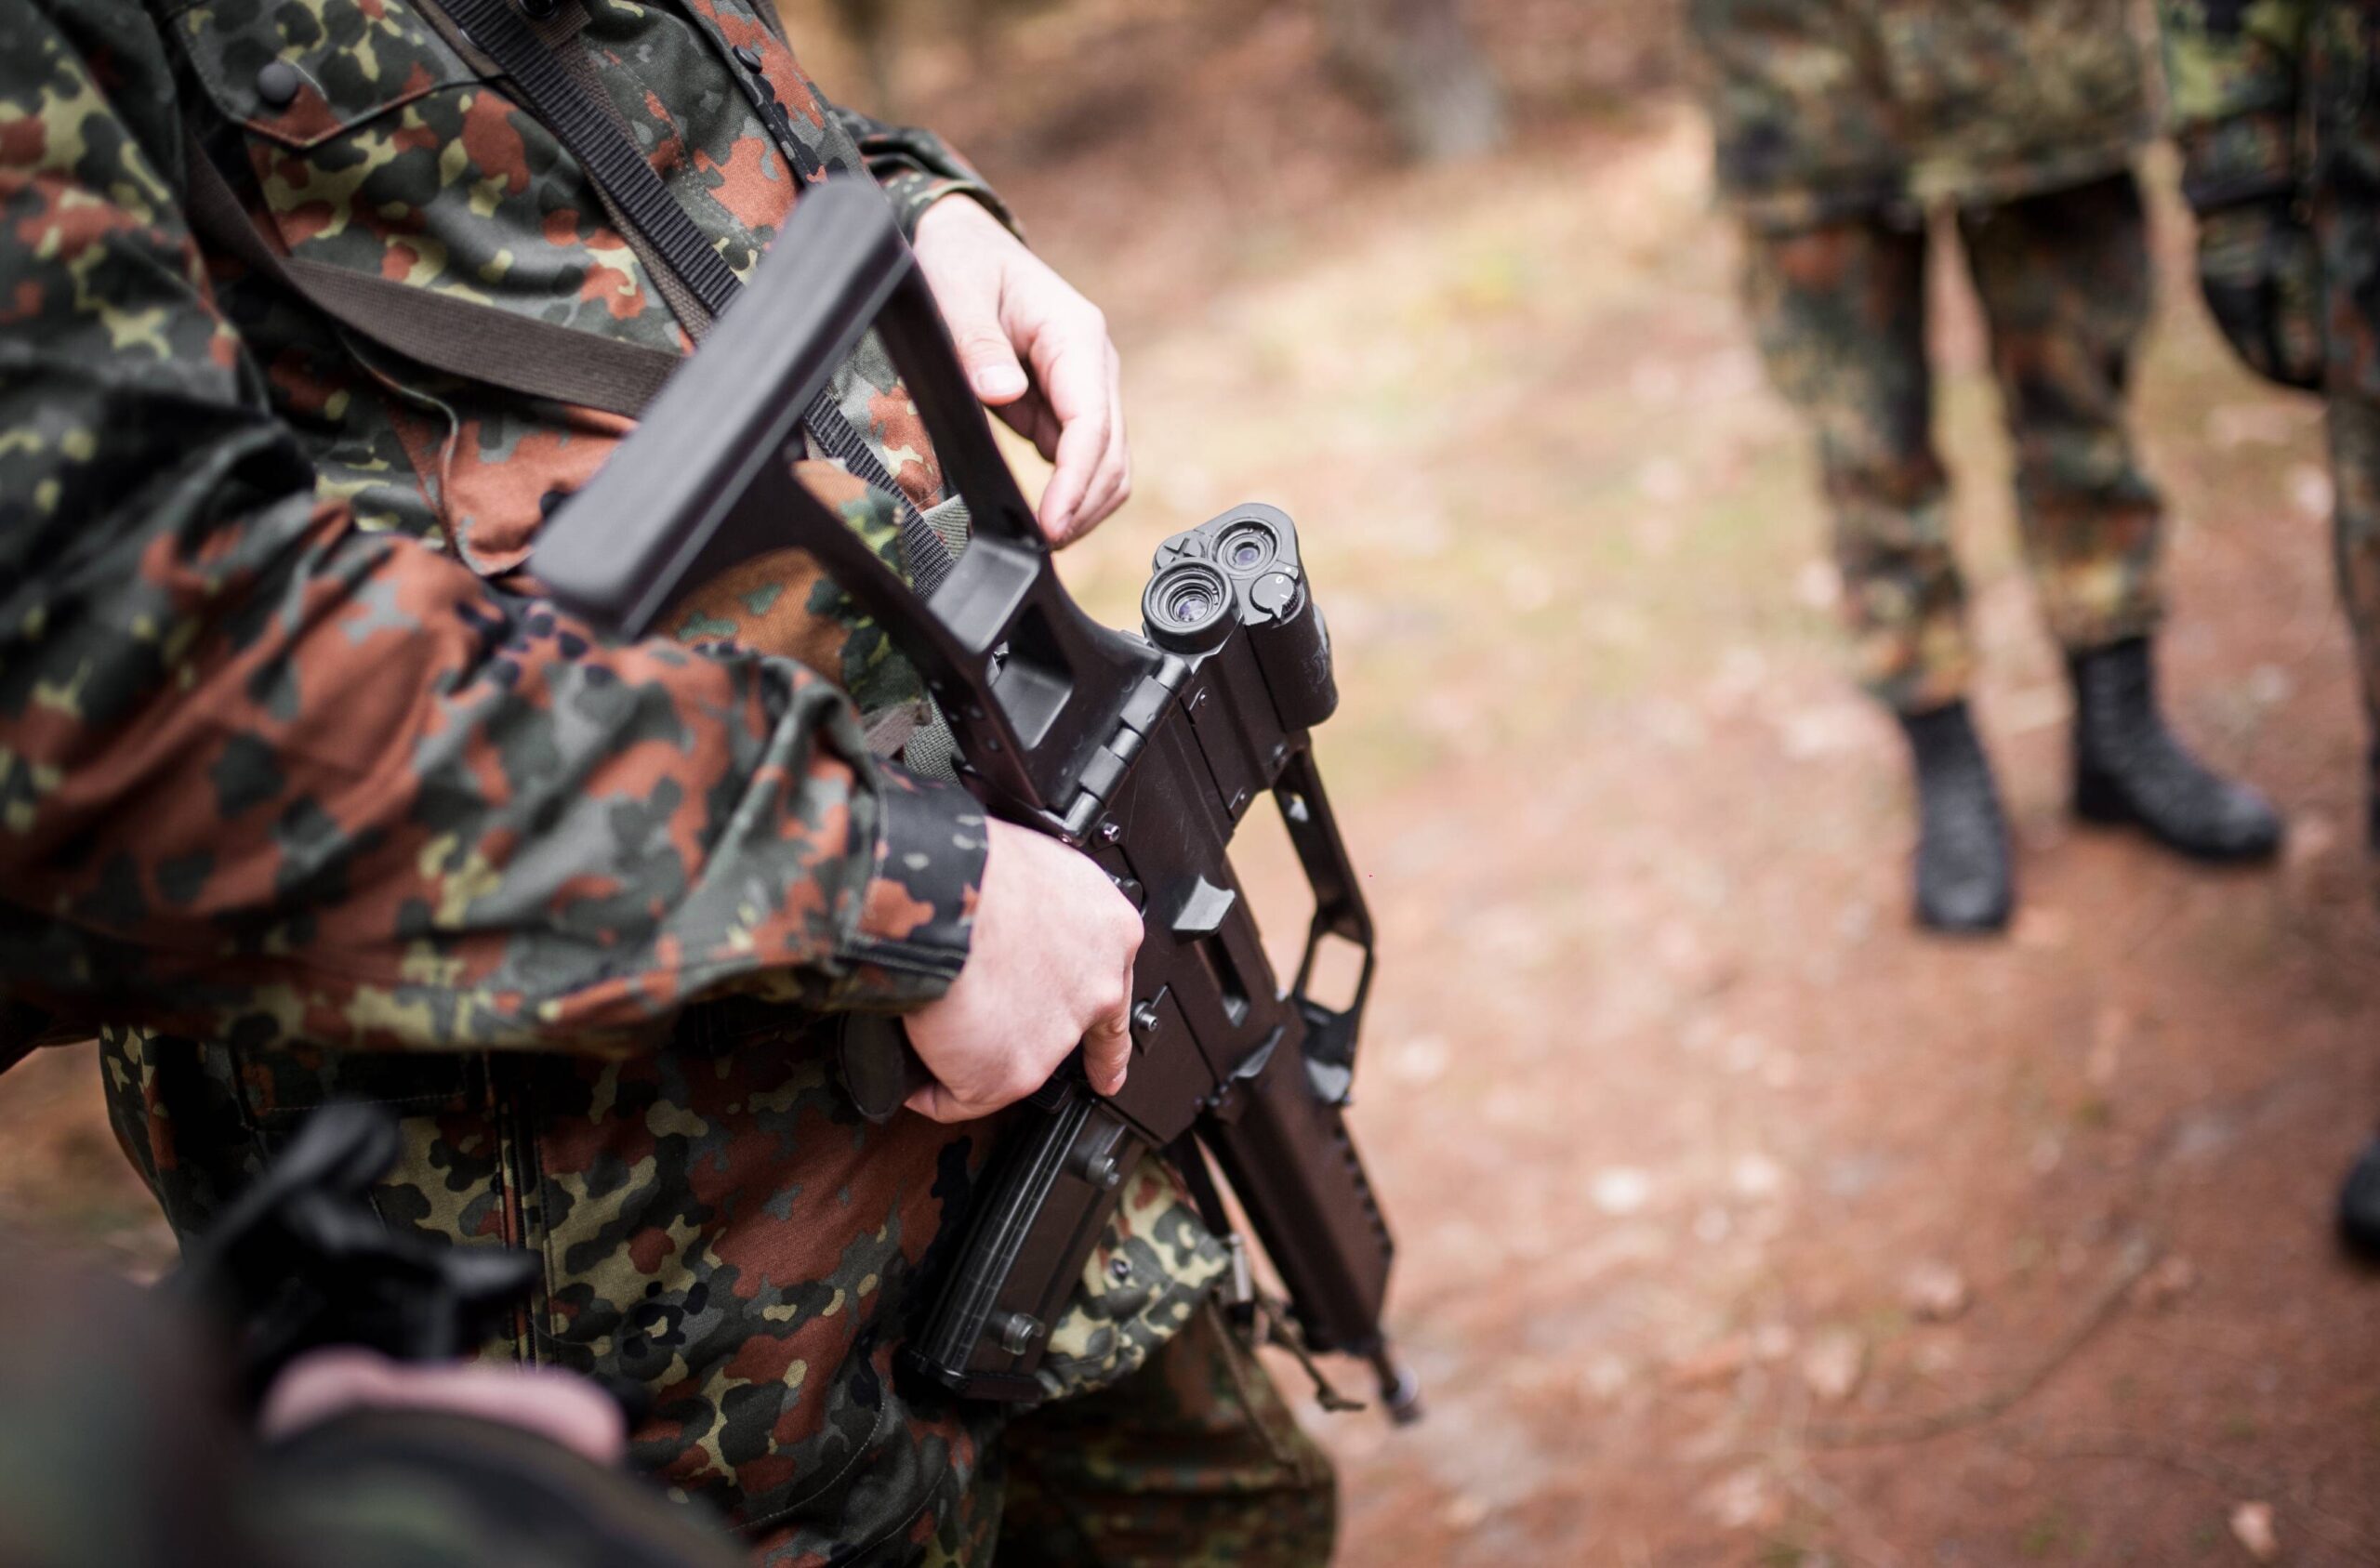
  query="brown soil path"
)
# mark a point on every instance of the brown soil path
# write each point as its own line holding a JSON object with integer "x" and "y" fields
{"x": 1707, "y": 1168}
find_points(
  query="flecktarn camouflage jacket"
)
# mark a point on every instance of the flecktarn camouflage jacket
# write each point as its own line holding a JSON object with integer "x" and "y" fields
{"x": 2281, "y": 99}
{"x": 303, "y": 791}
{"x": 1832, "y": 109}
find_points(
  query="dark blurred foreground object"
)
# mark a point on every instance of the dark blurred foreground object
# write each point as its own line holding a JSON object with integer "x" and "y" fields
{"x": 302, "y": 1261}
{"x": 2273, "y": 109}
{"x": 1840, "y": 132}
{"x": 123, "y": 1444}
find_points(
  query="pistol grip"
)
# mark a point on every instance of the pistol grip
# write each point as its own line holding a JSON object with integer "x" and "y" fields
{"x": 880, "y": 1068}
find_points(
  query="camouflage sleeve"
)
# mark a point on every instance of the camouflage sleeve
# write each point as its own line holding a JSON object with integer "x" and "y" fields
{"x": 918, "y": 168}
{"x": 2231, "y": 76}
{"x": 269, "y": 775}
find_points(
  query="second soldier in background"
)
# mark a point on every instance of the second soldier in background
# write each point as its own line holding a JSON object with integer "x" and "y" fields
{"x": 2279, "y": 134}
{"x": 1838, "y": 127}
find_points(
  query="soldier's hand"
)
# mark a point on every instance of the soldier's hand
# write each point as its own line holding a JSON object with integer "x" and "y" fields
{"x": 2262, "y": 276}
{"x": 1049, "y": 965}
{"x": 1038, "y": 353}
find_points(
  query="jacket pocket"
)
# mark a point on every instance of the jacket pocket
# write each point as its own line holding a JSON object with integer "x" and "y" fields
{"x": 302, "y": 72}
{"x": 279, "y": 1087}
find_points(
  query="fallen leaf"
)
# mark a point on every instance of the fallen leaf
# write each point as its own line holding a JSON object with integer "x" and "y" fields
{"x": 1420, "y": 1060}
{"x": 1464, "y": 1512}
{"x": 1834, "y": 1363}
{"x": 2168, "y": 1281}
{"x": 1622, "y": 1189}
{"x": 1740, "y": 1501}
{"x": 2109, "y": 1030}
{"x": 2252, "y": 1527}
{"x": 1934, "y": 1291}
{"x": 1756, "y": 1175}
{"x": 1714, "y": 1362}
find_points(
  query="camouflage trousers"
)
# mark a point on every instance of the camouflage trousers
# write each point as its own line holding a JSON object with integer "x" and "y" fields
{"x": 2354, "y": 473}
{"x": 2343, "y": 63}
{"x": 2064, "y": 281}
{"x": 1195, "y": 1460}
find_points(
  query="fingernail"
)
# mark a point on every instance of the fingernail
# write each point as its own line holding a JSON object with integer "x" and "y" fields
{"x": 1000, "y": 382}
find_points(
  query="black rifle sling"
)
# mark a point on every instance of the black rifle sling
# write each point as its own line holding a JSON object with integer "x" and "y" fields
{"x": 476, "y": 342}
{"x": 619, "y": 168}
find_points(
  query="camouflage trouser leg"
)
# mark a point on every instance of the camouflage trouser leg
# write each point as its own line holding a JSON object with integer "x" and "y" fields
{"x": 1840, "y": 313}
{"x": 1193, "y": 1460}
{"x": 1841, "y": 316}
{"x": 2355, "y": 471}
{"x": 2064, "y": 279}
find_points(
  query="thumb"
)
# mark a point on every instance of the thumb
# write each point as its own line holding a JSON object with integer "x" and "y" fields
{"x": 990, "y": 362}
{"x": 1107, "y": 1047}
{"x": 935, "y": 1104}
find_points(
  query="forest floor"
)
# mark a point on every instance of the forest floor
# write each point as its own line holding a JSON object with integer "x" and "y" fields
{"x": 1739, "y": 1223}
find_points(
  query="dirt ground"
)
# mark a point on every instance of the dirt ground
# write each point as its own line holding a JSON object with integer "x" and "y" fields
{"x": 1739, "y": 1224}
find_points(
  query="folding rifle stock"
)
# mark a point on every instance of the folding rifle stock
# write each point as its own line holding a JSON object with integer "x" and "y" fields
{"x": 1144, "y": 752}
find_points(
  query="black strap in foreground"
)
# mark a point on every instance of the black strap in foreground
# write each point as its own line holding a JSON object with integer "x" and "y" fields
{"x": 459, "y": 336}
{"x": 618, "y": 167}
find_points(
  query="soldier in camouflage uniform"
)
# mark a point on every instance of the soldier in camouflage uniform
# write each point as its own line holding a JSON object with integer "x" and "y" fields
{"x": 305, "y": 793}
{"x": 2277, "y": 116}
{"x": 1839, "y": 126}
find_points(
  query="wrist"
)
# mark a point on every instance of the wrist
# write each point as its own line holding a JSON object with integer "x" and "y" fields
{"x": 919, "y": 194}
{"x": 954, "y": 215}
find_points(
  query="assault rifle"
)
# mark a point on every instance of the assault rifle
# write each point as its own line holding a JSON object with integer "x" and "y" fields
{"x": 1144, "y": 752}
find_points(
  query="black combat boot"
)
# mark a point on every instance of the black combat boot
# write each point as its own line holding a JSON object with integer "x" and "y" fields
{"x": 2128, "y": 767}
{"x": 2359, "y": 1206}
{"x": 1963, "y": 878}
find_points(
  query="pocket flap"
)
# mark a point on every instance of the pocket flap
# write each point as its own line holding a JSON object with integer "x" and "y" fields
{"x": 301, "y": 72}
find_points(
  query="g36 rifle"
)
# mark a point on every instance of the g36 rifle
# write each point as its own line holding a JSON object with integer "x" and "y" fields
{"x": 1144, "y": 752}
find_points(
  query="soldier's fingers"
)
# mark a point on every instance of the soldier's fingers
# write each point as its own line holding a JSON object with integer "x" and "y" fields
{"x": 968, "y": 286}
{"x": 1111, "y": 477}
{"x": 1113, "y": 486}
{"x": 1076, "y": 389}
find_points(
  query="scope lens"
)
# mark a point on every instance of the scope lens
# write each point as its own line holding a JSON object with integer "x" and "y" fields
{"x": 1191, "y": 603}
{"x": 1188, "y": 605}
{"x": 1248, "y": 545}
